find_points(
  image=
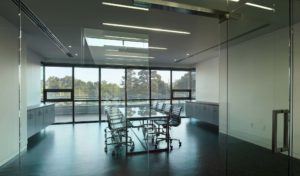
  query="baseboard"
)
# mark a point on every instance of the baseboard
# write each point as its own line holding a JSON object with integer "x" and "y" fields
{"x": 8, "y": 159}
{"x": 12, "y": 156}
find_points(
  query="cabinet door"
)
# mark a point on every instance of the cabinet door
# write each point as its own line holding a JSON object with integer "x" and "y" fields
{"x": 30, "y": 123}
{"x": 46, "y": 116}
{"x": 39, "y": 120}
{"x": 51, "y": 114}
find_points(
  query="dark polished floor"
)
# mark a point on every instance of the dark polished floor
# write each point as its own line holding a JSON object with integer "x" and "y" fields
{"x": 77, "y": 150}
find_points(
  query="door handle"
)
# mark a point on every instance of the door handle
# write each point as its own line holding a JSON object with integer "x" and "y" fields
{"x": 275, "y": 148}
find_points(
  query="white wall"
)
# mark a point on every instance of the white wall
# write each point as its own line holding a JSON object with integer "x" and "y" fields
{"x": 33, "y": 78}
{"x": 9, "y": 101}
{"x": 207, "y": 80}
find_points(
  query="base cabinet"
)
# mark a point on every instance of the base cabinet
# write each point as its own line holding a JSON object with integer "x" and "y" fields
{"x": 39, "y": 117}
{"x": 204, "y": 111}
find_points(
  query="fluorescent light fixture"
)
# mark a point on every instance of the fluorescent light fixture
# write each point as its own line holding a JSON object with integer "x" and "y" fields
{"x": 157, "y": 48}
{"x": 129, "y": 56}
{"x": 120, "y": 43}
{"x": 125, "y": 38}
{"x": 125, "y": 6}
{"x": 234, "y": 0}
{"x": 145, "y": 28}
{"x": 259, "y": 6}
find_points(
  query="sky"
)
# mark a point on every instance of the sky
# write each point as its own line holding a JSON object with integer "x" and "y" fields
{"x": 91, "y": 74}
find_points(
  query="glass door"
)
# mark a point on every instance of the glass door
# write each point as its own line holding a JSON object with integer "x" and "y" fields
{"x": 258, "y": 88}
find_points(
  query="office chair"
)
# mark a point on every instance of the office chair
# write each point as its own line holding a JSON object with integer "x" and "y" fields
{"x": 154, "y": 106}
{"x": 117, "y": 130}
{"x": 174, "y": 120}
{"x": 160, "y": 107}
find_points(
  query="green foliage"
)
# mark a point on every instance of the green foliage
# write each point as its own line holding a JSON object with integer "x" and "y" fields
{"x": 137, "y": 86}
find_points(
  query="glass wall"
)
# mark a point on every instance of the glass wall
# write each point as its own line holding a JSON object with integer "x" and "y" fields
{"x": 86, "y": 94}
{"x": 161, "y": 84}
{"x": 117, "y": 86}
{"x": 59, "y": 89}
{"x": 138, "y": 89}
{"x": 181, "y": 88}
{"x": 112, "y": 89}
{"x": 258, "y": 82}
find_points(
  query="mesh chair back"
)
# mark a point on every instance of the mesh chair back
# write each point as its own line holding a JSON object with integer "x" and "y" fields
{"x": 167, "y": 108}
{"x": 154, "y": 105}
{"x": 160, "y": 106}
{"x": 175, "y": 119}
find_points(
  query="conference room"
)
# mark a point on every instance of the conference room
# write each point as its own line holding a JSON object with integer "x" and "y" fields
{"x": 149, "y": 87}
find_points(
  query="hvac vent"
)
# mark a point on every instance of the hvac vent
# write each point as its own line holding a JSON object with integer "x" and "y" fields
{"x": 41, "y": 25}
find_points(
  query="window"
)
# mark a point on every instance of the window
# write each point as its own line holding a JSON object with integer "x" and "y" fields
{"x": 193, "y": 84}
{"x": 59, "y": 89}
{"x": 112, "y": 89}
{"x": 137, "y": 84}
{"x": 181, "y": 79}
{"x": 86, "y": 83}
{"x": 58, "y": 77}
{"x": 160, "y": 84}
{"x": 86, "y": 100}
{"x": 86, "y": 90}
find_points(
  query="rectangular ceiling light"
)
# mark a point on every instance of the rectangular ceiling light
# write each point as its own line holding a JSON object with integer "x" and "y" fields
{"x": 157, "y": 48}
{"x": 234, "y": 0}
{"x": 129, "y": 56}
{"x": 99, "y": 42}
{"x": 125, "y": 6}
{"x": 125, "y": 38}
{"x": 146, "y": 28}
{"x": 259, "y": 6}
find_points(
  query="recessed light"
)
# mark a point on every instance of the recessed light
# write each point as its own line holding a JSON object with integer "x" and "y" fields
{"x": 146, "y": 28}
{"x": 259, "y": 6}
{"x": 125, "y": 6}
{"x": 70, "y": 46}
{"x": 188, "y": 54}
{"x": 76, "y": 54}
{"x": 129, "y": 56}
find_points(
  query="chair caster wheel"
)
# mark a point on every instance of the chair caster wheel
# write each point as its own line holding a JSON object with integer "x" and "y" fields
{"x": 171, "y": 147}
{"x": 180, "y": 144}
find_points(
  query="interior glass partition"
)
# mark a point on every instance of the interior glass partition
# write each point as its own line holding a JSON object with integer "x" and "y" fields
{"x": 258, "y": 59}
{"x": 295, "y": 79}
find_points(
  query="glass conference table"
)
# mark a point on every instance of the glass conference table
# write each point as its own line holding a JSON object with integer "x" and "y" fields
{"x": 139, "y": 121}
